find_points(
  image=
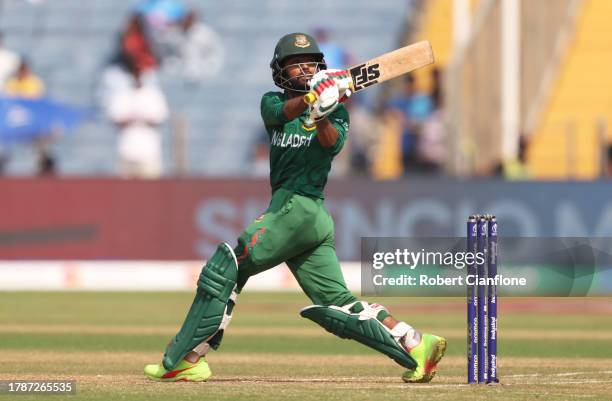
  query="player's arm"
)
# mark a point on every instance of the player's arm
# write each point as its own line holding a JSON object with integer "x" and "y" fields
{"x": 332, "y": 131}
{"x": 327, "y": 133}
{"x": 293, "y": 108}
{"x": 275, "y": 110}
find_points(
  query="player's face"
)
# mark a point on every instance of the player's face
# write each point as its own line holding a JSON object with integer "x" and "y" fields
{"x": 300, "y": 68}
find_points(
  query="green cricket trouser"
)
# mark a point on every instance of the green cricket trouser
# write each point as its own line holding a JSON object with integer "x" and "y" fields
{"x": 297, "y": 230}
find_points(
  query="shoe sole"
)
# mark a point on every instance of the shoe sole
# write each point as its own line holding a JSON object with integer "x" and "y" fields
{"x": 180, "y": 379}
{"x": 431, "y": 364}
{"x": 182, "y": 375}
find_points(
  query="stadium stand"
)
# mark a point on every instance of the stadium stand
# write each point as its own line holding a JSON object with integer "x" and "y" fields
{"x": 69, "y": 41}
{"x": 568, "y": 139}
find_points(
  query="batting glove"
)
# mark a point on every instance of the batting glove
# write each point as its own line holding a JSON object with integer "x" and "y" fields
{"x": 327, "y": 96}
{"x": 343, "y": 81}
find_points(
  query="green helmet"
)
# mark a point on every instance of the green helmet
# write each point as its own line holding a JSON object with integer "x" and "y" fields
{"x": 294, "y": 44}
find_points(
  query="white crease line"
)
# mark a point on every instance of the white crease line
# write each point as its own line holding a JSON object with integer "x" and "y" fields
{"x": 353, "y": 384}
{"x": 598, "y": 372}
{"x": 571, "y": 382}
{"x": 475, "y": 386}
{"x": 584, "y": 373}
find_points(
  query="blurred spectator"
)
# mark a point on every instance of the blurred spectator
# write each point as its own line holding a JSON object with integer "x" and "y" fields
{"x": 514, "y": 169}
{"x": 24, "y": 83}
{"x": 413, "y": 108}
{"x": 160, "y": 14}
{"x": 609, "y": 161}
{"x": 135, "y": 42}
{"x": 195, "y": 50}
{"x": 3, "y": 161}
{"x": 335, "y": 55}
{"x": 133, "y": 47}
{"x": 415, "y": 105}
{"x": 117, "y": 77}
{"x": 46, "y": 163}
{"x": 431, "y": 142}
{"x": 137, "y": 110}
{"x": 9, "y": 61}
{"x": 363, "y": 136}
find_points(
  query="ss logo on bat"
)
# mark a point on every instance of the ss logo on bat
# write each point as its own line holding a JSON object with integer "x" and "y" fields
{"x": 365, "y": 76}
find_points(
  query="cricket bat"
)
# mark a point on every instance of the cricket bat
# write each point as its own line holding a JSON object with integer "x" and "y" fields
{"x": 386, "y": 67}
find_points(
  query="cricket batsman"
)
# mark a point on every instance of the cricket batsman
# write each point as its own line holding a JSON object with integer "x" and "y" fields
{"x": 296, "y": 229}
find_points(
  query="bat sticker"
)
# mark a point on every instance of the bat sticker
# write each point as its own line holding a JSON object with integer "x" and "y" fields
{"x": 365, "y": 76}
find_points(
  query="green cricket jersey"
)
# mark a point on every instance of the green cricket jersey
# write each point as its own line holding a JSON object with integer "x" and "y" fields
{"x": 298, "y": 161}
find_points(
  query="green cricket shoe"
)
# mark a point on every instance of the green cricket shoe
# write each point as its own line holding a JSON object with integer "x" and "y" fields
{"x": 184, "y": 372}
{"x": 427, "y": 355}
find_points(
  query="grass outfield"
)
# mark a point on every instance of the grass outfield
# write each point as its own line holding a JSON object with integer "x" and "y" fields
{"x": 550, "y": 349}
